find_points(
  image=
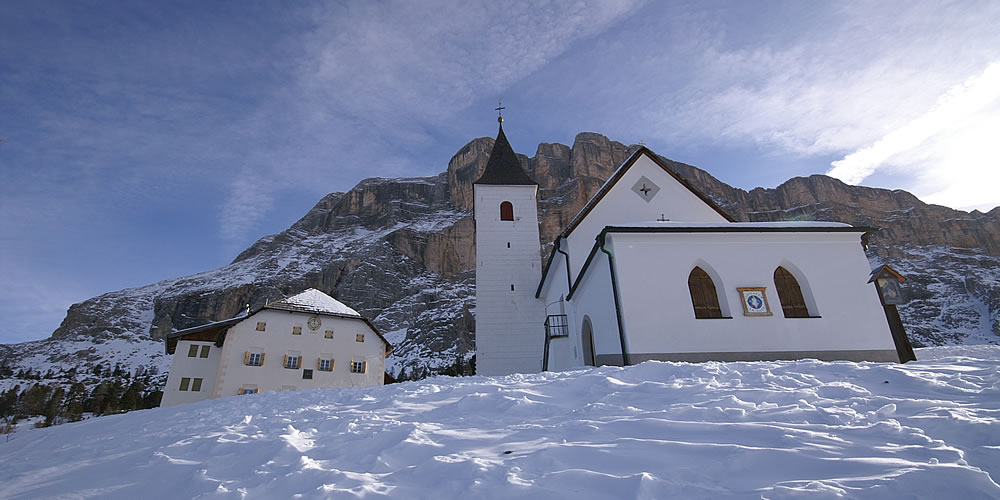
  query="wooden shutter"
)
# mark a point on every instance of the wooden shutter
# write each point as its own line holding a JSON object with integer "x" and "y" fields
{"x": 246, "y": 358}
{"x": 790, "y": 294}
{"x": 261, "y": 359}
{"x": 318, "y": 364}
{"x": 506, "y": 211}
{"x": 703, "y": 295}
{"x": 364, "y": 367}
{"x": 284, "y": 361}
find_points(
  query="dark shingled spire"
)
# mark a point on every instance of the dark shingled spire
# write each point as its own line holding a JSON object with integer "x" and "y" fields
{"x": 503, "y": 166}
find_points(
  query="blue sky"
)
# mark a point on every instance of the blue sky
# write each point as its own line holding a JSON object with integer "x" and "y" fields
{"x": 146, "y": 141}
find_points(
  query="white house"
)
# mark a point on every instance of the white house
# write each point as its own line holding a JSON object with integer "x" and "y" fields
{"x": 306, "y": 341}
{"x": 652, "y": 269}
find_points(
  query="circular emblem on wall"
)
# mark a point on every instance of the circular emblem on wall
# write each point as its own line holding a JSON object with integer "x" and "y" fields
{"x": 754, "y": 302}
{"x": 314, "y": 323}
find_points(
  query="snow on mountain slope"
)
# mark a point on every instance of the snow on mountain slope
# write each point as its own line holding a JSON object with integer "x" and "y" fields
{"x": 927, "y": 429}
{"x": 954, "y": 294}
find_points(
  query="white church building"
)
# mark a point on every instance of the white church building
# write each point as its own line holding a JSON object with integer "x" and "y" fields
{"x": 306, "y": 341}
{"x": 651, "y": 269}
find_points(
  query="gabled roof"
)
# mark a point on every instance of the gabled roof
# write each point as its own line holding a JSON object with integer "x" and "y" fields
{"x": 615, "y": 177}
{"x": 310, "y": 301}
{"x": 503, "y": 166}
{"x": 887, "y": 271}
{"x": 214, "y": 331}
{"x": 314, "y": 301}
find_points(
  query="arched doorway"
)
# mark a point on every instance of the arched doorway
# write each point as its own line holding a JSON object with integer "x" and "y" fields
{"x": 588, "y": 343}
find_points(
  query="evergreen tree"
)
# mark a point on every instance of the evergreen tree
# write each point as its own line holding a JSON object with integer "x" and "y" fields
{"x": 75, "y": 402}
{"x": 53, "y": 408}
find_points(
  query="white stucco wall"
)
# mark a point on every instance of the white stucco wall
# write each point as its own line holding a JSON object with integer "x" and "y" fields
{"x": 621, "y": 205}
{"x": 191, "y": 367}
{"x": 277, "y": 340}
{"x": 594, "y": 299}
{"x": 510, "y": 330}
{"x": 832, "y": 269}
{"x": 562, "y": 354}
{"x": 224, "y": 372}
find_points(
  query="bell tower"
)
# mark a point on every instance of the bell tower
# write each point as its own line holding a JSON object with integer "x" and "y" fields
{"x": 509, "y": 319}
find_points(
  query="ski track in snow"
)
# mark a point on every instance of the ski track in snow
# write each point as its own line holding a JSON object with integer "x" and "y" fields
{"x": 927, "y": 429}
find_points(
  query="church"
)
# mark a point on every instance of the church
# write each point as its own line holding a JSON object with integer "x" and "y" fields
{"x": 651, "y": 269}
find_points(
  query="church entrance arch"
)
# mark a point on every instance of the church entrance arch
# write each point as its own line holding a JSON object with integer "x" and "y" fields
{"x": 588, "y": 342}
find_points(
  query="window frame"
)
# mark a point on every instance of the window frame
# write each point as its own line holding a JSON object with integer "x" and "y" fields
{"x": 193, "y": 351}
{"x": 248, "y": 358}
{"x": 704, "y": 295}
{"x": 185, "y": 384}
{"x": 508, "y": 214}
{"x": 292, "y": 360}
{"x": 789, "y": 289}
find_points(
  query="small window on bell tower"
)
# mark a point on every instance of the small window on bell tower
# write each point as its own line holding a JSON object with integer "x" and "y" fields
{"x": 506, "y": 211}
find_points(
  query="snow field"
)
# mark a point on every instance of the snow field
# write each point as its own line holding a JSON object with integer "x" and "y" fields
{"x": 927, "y": 429}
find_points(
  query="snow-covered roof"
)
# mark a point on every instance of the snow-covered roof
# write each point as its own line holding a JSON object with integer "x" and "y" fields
{"x": 314, "y": 301}
{"x": 731, "y": 225}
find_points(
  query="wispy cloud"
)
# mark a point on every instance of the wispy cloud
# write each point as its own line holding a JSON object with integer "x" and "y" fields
{"x": 371, "y": 79}
{"x": 954, "y": 107}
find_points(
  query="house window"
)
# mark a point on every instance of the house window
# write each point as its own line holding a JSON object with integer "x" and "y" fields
{"x": 196, "y": 385}
{"x": 307, "y": 374}
{"x": 296, "y": 330}
{"x": 292, "y": 362}
{"x": 247, "y": 389}
{"x": 325, "y": 365}
{"x": 204, "y": 351}
{"x": 185, "y": 382}
{"x": 703, "y": 295}
{"x": 253, "y": 358}
{"x": 359, "y": 366}
{"x": 261, "y": 326}
{"x": 790, "y": 294}
{"x": 192, "y": 351}
{"x": 359, "y": 337}
{"x": 328, "y": 334}
{"x": 506, "y": 211}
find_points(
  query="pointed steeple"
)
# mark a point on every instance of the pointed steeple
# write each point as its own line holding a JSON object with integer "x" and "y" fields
{"x": 504, "y": 167}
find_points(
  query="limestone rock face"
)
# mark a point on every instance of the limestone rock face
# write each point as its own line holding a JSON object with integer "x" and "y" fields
{"x": 401, "y": 252}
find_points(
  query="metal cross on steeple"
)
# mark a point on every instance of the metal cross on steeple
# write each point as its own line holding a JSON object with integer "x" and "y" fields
{"x": 499, "y": 110}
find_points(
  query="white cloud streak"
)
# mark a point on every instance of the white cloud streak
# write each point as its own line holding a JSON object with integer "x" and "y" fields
{"x": 955, "y": 106}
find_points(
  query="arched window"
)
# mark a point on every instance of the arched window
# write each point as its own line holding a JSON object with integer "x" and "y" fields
{"x": 790, "y": 295}
{"x": 506, "y": 211}
{"x": 703, "y": 296}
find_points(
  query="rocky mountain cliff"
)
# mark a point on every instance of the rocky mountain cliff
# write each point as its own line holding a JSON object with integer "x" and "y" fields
{"x": 401, "y": 251}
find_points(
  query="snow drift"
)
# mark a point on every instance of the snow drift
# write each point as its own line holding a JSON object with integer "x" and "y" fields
{"x": 769, "y": 429}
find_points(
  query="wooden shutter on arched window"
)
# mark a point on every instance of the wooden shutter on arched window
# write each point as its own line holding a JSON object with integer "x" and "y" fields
{"x": 790, "y": 295}
{"x": 703, "y": 296}
{"x": 506, "y": 211}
